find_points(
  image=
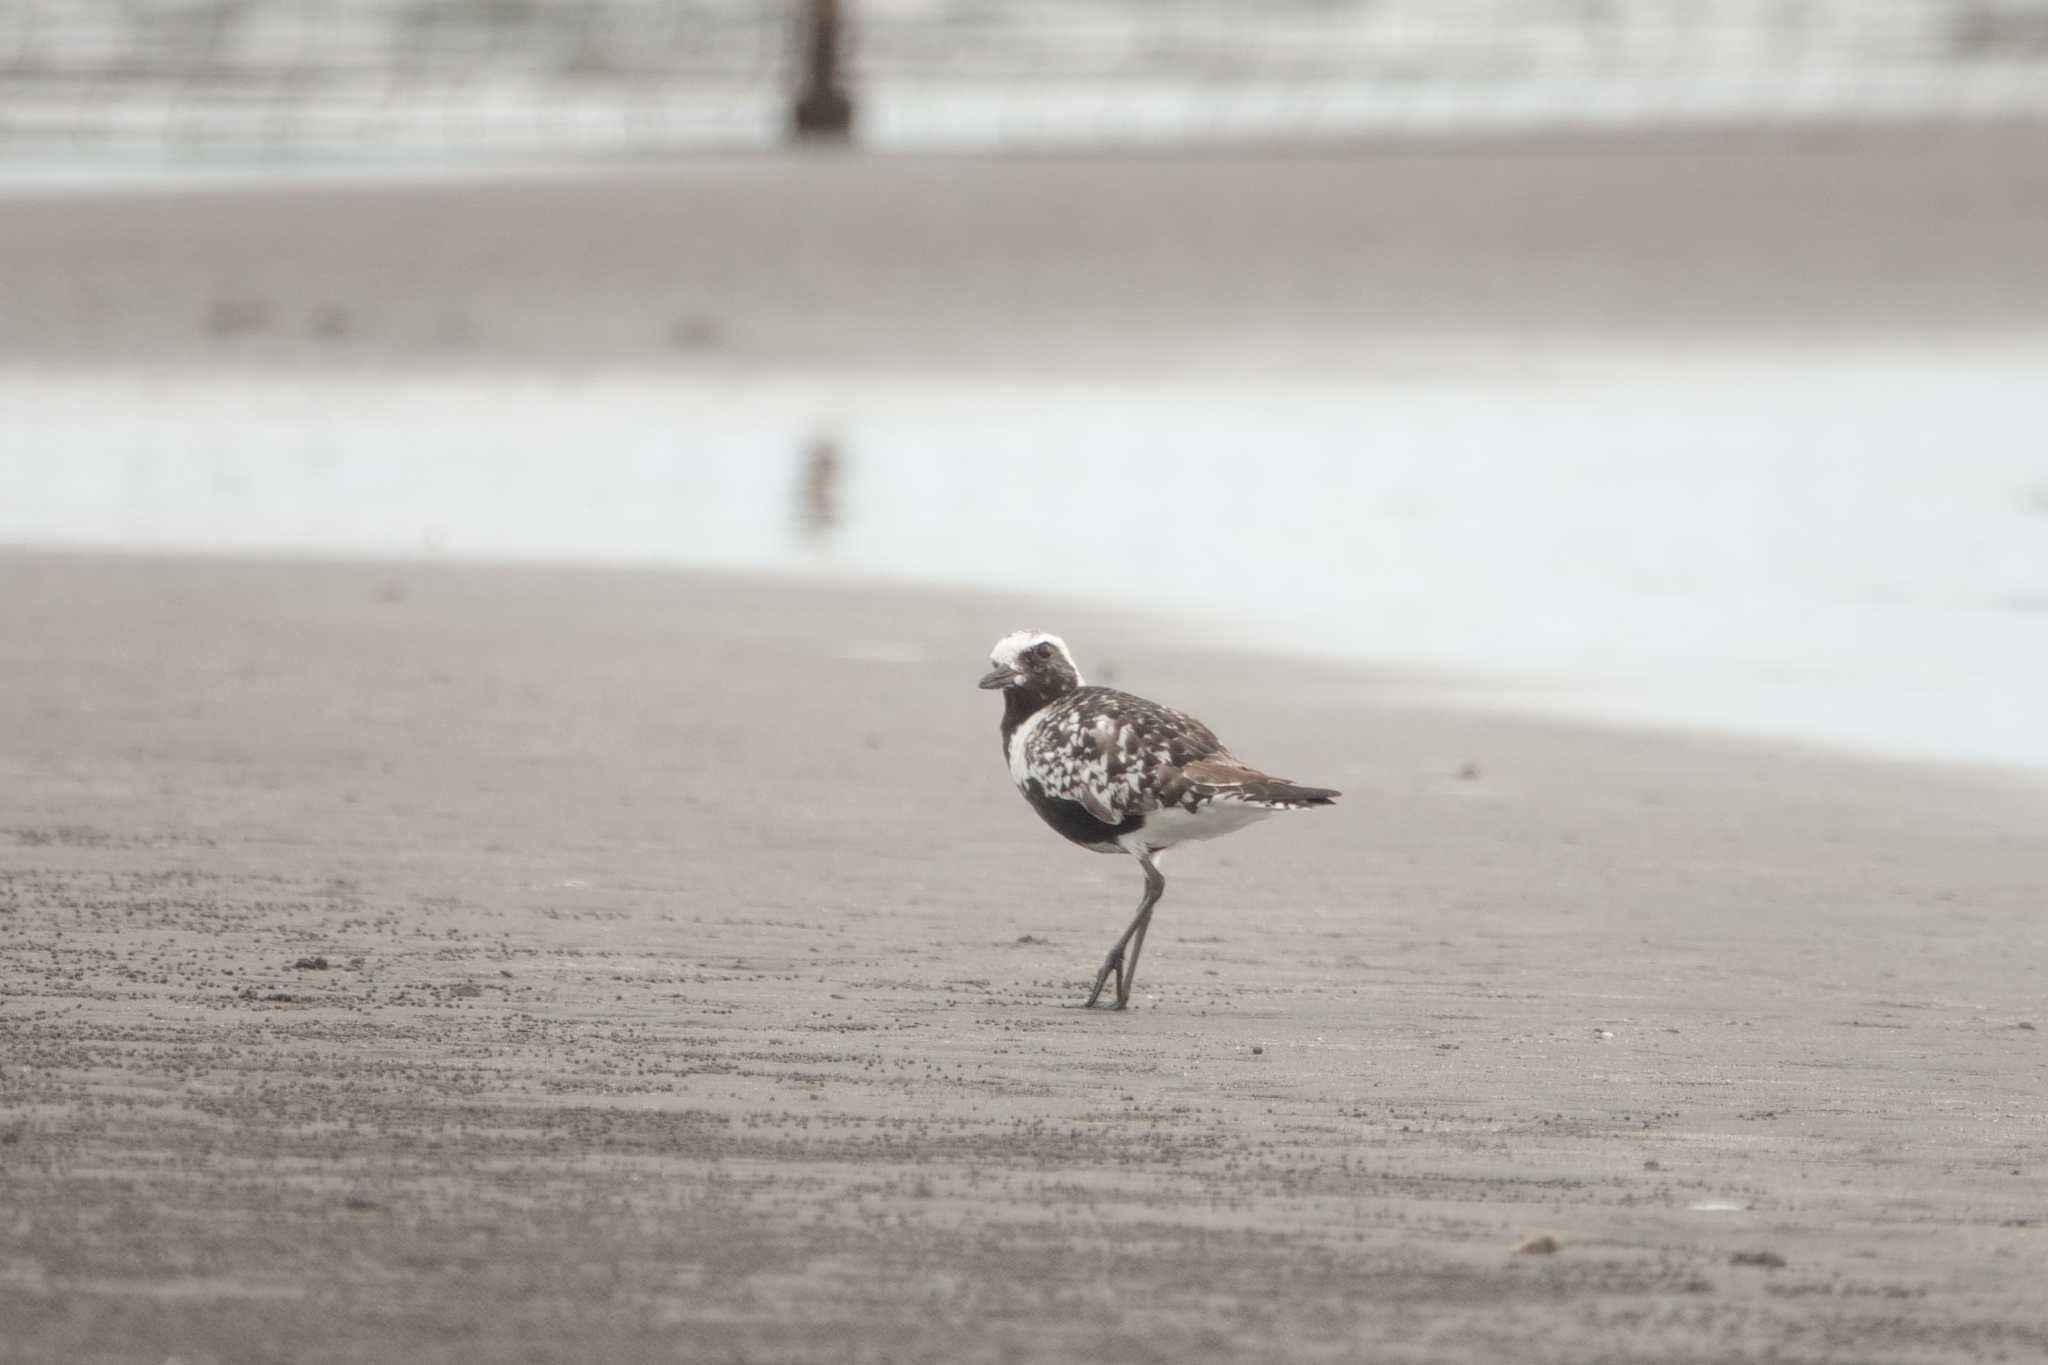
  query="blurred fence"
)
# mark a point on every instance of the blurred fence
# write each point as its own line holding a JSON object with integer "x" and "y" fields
{"x": 293, "y": 79}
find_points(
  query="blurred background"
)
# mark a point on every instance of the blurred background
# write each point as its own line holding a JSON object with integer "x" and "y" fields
{"x": 1674, "y": 362}
{"x": 139, "y": 80}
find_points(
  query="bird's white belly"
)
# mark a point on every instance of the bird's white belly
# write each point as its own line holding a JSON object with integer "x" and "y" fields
{"x": 1212, "y": 820}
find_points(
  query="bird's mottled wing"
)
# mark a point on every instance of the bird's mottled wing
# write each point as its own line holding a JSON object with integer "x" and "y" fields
{"x": 1116, "y": 754}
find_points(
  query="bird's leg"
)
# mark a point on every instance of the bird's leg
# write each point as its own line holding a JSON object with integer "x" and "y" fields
{"x": 1115, "y": 963}
{"x": 1155, "y": 886}
{"x": 1127, "y": 976}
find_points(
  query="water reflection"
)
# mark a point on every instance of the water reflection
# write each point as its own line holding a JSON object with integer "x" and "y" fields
{"x": 1804, "y": 544}
{"x": 817, "y": 500}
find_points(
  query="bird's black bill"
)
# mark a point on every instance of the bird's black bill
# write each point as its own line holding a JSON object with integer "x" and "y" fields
{"x": 1000, "y": 677}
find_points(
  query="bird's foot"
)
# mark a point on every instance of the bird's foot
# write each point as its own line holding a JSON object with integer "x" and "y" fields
{"x": 1113, "y": 963}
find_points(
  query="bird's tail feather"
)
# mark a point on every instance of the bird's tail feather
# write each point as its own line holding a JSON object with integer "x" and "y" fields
{"x": 1275, "y": 791}
{"x": 1221, "y": 777}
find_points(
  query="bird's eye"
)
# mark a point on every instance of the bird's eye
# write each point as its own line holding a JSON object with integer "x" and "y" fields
{"x": 1041, "y": 651}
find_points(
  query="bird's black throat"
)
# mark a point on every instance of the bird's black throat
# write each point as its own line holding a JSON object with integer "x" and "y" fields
{"x": 1027, "y": 699}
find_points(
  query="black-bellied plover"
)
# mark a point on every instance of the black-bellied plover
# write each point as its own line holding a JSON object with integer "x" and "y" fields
{"x": 1118, "y": 774}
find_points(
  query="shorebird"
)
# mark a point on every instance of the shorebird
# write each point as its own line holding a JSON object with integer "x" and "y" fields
{"x": 1118, "y": 774}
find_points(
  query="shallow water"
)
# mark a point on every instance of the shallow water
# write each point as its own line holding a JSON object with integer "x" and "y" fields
{"x": 1845, "y": 547}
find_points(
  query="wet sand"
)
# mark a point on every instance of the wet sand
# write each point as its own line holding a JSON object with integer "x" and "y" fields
{"x": 489, "y": 964}
{"x": 1304, "y": 259}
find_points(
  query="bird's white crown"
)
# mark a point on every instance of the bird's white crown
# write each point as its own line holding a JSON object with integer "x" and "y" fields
{"x": 1009, "y": 651}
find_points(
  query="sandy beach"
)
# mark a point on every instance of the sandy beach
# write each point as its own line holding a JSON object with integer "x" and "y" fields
{"x": 448, "y": 964}
{"x": 426, "y": 962}
{"x": 1303, "y": 259}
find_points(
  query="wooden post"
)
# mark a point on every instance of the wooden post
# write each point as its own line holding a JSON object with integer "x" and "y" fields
{"x": 823, "y": 110}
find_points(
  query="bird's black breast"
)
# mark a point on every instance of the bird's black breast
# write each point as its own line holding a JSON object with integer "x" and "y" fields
{"x": 1073, "y": 821}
